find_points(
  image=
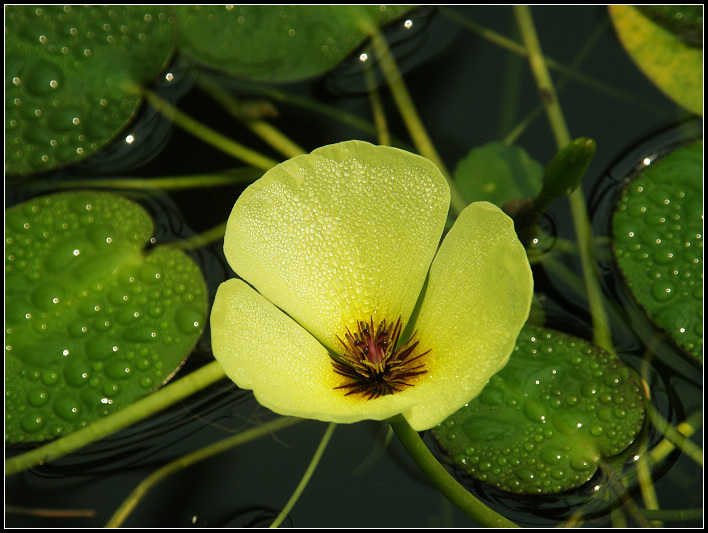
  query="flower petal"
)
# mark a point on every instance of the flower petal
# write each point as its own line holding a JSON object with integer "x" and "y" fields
{"x": 340, "y": 235}
{"x": 478, "y": 298}
{"x": 289, "y": 371}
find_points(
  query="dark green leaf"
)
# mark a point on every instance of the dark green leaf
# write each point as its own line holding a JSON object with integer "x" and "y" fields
{"x": 70, "y": 73}
{"x": 658, "y": 240}
{"x": 545, "y": 421}
{"x": 275, "y": 42}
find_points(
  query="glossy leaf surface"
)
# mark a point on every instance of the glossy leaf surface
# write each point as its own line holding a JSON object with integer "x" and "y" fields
{"x": 658, "y": 241}
{"x": 274, "y": 42}
{"x": 69, "y": 72}
{"x": 546, "y": 420}
{"x": 92, "y": 321}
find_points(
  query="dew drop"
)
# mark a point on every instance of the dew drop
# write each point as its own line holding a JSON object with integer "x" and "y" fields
{"x": 37, "y": 397}
{"x": 42, "y": 78}
{"x": 67, "y": 407}
{"x": 33, "y": 422}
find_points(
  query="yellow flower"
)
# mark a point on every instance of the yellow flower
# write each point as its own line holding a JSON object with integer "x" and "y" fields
{"x": 337, "y": 247}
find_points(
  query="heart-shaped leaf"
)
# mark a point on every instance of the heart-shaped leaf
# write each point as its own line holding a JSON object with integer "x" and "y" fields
{"x": 274, "y": 42}
{"x": 658, "y": 244}
{"x": 545, "y": 421}
{"x": 92, "y": 322}
{"x": 69, "y": 77}
{"x": 498, "y": 173}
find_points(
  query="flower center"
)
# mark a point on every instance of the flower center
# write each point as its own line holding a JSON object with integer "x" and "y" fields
{"x": 373, "y": 364}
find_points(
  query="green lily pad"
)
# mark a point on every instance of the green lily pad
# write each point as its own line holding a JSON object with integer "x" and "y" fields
{"x": 498, "y": 173}
{"x": 92, "y": 322}
{"x": 658, "y": 244}
{"x": 672, "y": 64}
{"x": 69, "y": 77}
{"x": 274, "y": 42}
{"x": 545, "y": 422}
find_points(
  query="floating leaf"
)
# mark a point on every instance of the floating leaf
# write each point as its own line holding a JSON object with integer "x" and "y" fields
{"x": 274, "y": 42}
{"x": 545, "y": 421}
{"x": 92, "y": 322}
{"x": 658, "y": 241}
{"x": 686, "y": 22}
{"x": 498, "y": 173}
{"x": 68, "y": 77}
{"x": 673, "y": 65}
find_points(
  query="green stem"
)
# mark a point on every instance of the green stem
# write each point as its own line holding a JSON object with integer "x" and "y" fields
{"x": 188, "y": 460}
{"x": 306, "y": 476}
{"x": 646, "y": 485}
{"x": 263, "y": 129}
{"x": 569, "y": 72}
{"x": 442, "y": 479}
{"x": 158, "y": 400}
{"x": 50, "y": 513}
{"x": 236, "y": 176}
{"x": 213, "y": 234}
{"x": 674, "y": 515}
{"x": 377, "y": 109}
{"x": 623, "y": 495}
{"x": 676, "y": 437}
{"x": 601, "y": 330}
{"x": 316, "y": 108}
{"x": 585, "y": 50}
{"x": 410, "y": 116}
{"x": 208, "y": 135}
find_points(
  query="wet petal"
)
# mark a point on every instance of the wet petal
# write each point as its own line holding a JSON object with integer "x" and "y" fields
{"x": 478, "y": 297}
{"x": 340, "y": 235}
{"x": 289, "y": 371}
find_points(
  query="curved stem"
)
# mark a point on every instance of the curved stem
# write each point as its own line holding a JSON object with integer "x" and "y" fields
{"x": 569, "y": 71}
{"x": 676, "y": 437}
{"x": 213, "y": 234}
{"x": 306, "y": 476}
{"x": 442, "y": 479}
{"x": 208, "y": 135}
{"x": 263, "y": 129}
{"x": 188, "y": 460}
{"x": 158, "y": 400}
{"x": 601, "y": 328}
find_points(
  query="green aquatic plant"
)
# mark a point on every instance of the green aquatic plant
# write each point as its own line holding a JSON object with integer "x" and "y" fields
{"x": 663, "y": 262}
{"x": 92, "y": 323}
{"x": 361, "y": 297}
{"x": 342, "y": 241}
{"x": 548, "y": 419}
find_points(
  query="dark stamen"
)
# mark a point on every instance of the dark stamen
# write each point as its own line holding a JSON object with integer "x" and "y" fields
{"x": 373, "y": 364}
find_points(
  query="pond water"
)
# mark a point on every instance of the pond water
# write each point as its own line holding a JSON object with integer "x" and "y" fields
{"x": 459, "y": 82}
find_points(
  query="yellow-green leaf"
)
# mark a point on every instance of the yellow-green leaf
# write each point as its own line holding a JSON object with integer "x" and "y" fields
{"x": 674, "y": 66}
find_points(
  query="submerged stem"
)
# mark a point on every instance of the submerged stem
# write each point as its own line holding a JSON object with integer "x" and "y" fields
{"x": 188, "y": 460}
{"x": 442, "y": 479}
{"x": 208, "y": 135}
{"x": 306, "y": 476}
{"x": 263, "y": 129}
{"x": 158, "y": 400}
{"x": 601, "y": 329}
